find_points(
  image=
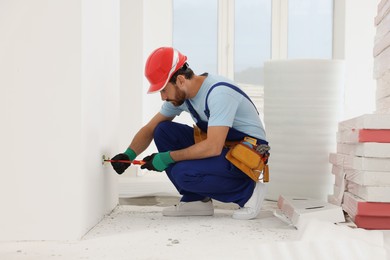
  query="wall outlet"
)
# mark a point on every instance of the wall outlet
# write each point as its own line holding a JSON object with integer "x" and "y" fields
{"x": 105, "y": 157}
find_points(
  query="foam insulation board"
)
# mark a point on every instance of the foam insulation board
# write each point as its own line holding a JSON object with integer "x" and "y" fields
{"x": 367, "y": 121}
{"x": 370, "y": 193}
{"x": 357, "y": 206}
{"x": 360, "y": 163}
{"x": 300, "y": 210}
{"x": 309, "y": 123}
{"x": 364, "y": 135}
{"x": 380, "y": 150}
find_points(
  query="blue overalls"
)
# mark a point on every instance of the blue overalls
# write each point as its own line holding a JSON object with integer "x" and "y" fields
{"x": 213, "y": 177}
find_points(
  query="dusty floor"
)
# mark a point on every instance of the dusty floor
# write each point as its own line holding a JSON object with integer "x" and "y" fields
{"x": 137, "y": 230}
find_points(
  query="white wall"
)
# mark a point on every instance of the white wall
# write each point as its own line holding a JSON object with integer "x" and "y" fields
{"x": 157, "y": 19}
{"x": 354, "y": 42}
{"x": 132, "y": 73}
{"x": 59, "y": 78}
{"x": 145, "y": 26}
{"x": 100, "y": 86}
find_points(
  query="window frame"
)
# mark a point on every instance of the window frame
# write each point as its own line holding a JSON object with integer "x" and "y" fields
{"x": 279, "y": 34}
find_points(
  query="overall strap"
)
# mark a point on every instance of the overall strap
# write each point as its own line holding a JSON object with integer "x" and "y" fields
{"x": 207, "y": 111}
{"x": 192, "y": 110}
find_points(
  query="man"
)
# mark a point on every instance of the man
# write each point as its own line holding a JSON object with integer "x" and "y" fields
{"x": 199, "y": 170}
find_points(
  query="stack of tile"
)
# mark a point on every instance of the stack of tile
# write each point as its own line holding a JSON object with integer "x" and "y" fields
{"x": 382, "y": 57}
{"x": 362, "y": 163}
{"x": 362, "y": 170}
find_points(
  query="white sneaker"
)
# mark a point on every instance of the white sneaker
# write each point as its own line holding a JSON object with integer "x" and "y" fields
{"x": 194, "y": 208}
{"x": 252, "y": 208}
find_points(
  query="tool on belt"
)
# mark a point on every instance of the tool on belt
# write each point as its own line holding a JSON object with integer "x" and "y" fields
{"x": 251, "y": 158}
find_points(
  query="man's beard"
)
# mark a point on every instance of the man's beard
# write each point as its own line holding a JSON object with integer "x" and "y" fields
{"x": 180, "y": 97}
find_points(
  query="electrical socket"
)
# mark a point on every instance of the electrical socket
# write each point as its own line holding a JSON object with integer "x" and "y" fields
{"x": 104, "y": 157}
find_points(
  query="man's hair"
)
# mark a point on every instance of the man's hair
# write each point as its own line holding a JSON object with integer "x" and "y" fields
{"x": 184, "y": 70}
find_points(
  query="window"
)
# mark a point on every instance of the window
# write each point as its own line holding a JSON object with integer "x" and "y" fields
{"x": 252, "y": 40}
{"x": 304, "y": 31}
{"x": 195, "y": 33}
{"x": 310, "y": 28}
{"x": 235, "y": 37}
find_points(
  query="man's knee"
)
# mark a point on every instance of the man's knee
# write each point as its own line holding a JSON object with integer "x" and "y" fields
{"x": 184, "y": 176}
{"x": 162, "y": 128}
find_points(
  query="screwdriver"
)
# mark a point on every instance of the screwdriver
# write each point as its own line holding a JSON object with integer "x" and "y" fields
{"x": 139, "y": 162}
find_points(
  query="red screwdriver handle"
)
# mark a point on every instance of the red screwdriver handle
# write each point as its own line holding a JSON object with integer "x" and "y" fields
{"x": 138, "y": 162}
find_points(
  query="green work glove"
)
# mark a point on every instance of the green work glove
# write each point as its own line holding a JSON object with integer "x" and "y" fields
{"x": 157, "y": 161}
{"x": 120, "y": 167}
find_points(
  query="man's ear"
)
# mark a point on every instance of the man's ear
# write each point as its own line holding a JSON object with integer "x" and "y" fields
{"x": 180, "y": 80}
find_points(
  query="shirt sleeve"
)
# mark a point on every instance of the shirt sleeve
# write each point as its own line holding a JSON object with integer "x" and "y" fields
{"x": 169, "y": 110}
{"x": 223, "y": 104}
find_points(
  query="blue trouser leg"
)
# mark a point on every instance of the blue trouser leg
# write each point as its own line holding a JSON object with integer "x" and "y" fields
{"x": 213, "y": 177}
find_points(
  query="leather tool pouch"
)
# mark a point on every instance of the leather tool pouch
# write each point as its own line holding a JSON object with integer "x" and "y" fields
{"x": 245, "y": 158}
{"x": 199, "y": 135}
{"x": 249, "y": 161}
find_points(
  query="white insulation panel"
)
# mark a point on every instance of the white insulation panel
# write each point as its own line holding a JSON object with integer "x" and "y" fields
{"x": 302, "y": 101}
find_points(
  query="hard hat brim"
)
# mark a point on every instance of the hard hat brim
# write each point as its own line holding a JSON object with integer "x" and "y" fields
{"x": 157, "y": 87}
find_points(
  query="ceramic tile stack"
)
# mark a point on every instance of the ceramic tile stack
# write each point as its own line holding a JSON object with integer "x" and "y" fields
{"x": 362, "y": 170}
{"x": 362, "y": 163}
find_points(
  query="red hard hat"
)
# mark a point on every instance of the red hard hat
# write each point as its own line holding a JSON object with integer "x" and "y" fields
{"x": 161, "y": 65}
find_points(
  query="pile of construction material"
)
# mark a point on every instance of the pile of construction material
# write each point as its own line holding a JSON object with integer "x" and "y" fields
{"x": 362, "y": 163}
{"x": 362, "y": 170}
{"x": 382, "y": 57}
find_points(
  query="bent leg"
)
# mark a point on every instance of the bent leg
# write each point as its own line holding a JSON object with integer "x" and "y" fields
{"x": 213, "y": 177}
{"x": 170, "y": 136}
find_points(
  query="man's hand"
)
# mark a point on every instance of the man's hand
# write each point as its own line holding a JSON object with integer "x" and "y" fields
{"x": 120, "y": 167}
{"x": 157, "y": 161}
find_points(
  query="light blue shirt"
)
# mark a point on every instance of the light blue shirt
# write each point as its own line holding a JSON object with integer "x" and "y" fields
{"x": 227, "y": 108}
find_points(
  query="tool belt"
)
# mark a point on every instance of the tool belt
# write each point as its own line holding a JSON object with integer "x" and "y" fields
{"x": 246, "y": 155}
{"x": 199, "y": 136}
{"x": 251, "y": 159}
